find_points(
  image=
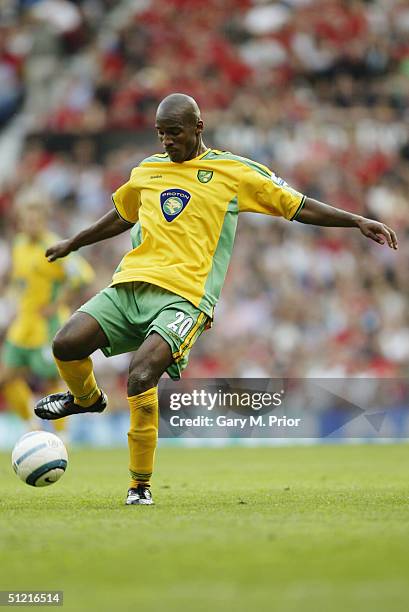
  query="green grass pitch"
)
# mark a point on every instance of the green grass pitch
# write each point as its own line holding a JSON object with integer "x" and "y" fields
{"x": 305, "y": 529}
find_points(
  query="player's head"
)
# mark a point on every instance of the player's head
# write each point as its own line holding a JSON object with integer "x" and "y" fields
{"x": 32, "y": 206}
{"x": 179, "y": 127}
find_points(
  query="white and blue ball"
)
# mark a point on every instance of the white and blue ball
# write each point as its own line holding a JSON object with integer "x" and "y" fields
{"x": 39, "y": 458}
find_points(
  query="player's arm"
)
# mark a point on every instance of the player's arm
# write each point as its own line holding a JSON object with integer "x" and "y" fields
{"x": 317, "y": 213}
{"x": 108, "y": 226}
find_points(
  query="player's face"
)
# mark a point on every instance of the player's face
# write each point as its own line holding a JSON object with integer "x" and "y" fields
{"x": 179, "y": 139}
{"x": 32, "y": 221}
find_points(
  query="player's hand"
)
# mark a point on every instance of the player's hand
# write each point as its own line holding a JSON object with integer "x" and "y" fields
{"x": 379, "y": 232}
{"x": 60, "y": 249}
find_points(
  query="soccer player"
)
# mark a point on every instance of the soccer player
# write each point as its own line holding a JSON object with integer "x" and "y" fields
{"x": 183, "y": 206}
{"x": 42, "y": 290}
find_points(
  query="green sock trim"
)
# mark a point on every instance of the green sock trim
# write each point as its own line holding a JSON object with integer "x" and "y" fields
{"x": 140, "y": 476}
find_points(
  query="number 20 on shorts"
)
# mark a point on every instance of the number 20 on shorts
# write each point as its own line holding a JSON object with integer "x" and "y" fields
{"x": 181, "y": 324}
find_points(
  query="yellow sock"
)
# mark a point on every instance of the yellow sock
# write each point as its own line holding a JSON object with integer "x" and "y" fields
{"x": 80, "y": 380}
{"x": 143, "y": 435}
{"x": 18, "y": 396}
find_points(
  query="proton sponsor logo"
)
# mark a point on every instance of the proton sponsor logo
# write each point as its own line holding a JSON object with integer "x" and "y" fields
{"x": 173, "y": 202}
{"x": 172, "y": 206}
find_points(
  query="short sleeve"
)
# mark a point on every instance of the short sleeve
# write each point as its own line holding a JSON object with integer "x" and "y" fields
{"x": 127, "y": 200}
{"x": 261, "y": 191}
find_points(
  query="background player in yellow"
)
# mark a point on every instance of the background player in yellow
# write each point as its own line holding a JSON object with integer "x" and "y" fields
{"x": 183, "y": 205}
{"x": 41, "y": 290}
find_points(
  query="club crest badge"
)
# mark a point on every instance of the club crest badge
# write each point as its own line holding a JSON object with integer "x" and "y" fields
{"x": 173, "y": 202}
{"x": 205, "y": 176}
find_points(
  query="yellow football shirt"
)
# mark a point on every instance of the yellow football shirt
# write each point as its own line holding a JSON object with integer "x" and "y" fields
{"x": 37, "y": 283}
{"x": 186, "y": 217}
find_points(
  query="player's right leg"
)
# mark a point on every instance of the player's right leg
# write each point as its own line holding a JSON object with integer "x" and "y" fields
{"x": 72, "y": 347}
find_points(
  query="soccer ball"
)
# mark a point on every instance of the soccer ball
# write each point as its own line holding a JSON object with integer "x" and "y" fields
{"x": 39, "y": 458}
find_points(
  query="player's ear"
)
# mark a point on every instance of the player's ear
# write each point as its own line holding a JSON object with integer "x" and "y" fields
{"x": 199, "y": 126}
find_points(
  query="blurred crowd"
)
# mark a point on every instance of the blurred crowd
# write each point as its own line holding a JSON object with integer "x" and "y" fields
{"x": 318, "y": 90}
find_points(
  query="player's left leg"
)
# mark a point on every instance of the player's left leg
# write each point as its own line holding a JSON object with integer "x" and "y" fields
{"x": 148, "y": 364}
{"x": 170, "y": 326}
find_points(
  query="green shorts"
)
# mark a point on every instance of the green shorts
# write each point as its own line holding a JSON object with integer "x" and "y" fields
{"x": 129, "y": 312}
{"x": 39, "y": 361}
